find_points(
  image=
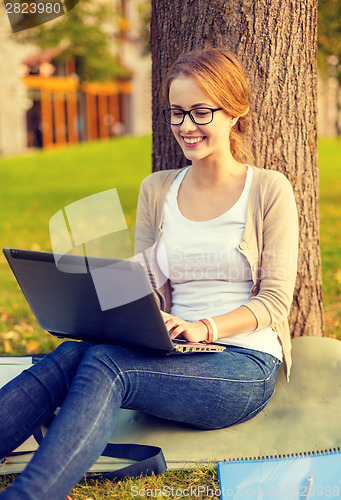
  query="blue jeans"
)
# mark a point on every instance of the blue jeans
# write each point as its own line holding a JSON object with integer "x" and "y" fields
{"x": 90, "y": 383}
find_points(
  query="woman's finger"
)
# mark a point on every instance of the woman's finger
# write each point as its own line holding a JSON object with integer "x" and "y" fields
{"x": 165, "y": 315}
{"x": 171, "y": 323}
{"x": 178, "y": 330}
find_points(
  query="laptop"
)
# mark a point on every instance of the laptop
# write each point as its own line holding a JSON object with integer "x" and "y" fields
{"x": 102, "y": 301}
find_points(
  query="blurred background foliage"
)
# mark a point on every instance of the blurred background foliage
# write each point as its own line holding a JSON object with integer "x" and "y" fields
{"x": 329, "y": 49}
{"x": 86, "y": 36}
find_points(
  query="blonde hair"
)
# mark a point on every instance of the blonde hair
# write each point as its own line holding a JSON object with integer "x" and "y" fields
{"x": 221, "y": 76}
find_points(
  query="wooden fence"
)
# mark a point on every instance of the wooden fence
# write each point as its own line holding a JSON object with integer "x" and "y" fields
{"x": 71, "y": 112}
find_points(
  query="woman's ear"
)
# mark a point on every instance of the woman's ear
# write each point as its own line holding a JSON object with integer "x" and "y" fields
{"x": 234, "y": 120}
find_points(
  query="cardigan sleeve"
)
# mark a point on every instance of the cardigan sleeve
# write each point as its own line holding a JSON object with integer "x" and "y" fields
{"x": 144, "y": 237}
{"x": 145, "y": 243}
{"x": 277, "y": 257}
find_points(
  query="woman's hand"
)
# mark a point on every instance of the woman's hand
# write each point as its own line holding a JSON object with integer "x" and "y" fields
{"x": 192, "y": 332}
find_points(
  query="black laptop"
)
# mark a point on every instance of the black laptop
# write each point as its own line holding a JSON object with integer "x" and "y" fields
{"x": 103, "y": 301}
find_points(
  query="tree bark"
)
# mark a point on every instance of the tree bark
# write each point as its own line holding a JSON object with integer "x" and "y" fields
{"x": 275, "y": 40}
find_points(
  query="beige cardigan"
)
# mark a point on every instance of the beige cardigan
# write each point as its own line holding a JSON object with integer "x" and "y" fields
{"x": 269, "y": 242}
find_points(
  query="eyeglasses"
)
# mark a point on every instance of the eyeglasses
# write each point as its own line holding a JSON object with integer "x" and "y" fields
{"x": 199, "y": 116}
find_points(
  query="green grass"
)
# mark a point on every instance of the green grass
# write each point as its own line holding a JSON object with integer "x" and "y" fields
{"x": 193, "y": 483}
{"x": 36, "y": 186}
{"x": 330, "y": 217}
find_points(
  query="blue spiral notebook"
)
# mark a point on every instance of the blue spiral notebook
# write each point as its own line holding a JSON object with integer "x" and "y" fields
{"x": 294, "y": 477}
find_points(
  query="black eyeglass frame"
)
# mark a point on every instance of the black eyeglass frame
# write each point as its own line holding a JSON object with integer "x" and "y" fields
{"x": 189, "y": 113}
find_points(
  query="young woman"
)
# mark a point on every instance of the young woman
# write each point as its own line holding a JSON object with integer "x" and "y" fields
{"x": 221, "y": 240}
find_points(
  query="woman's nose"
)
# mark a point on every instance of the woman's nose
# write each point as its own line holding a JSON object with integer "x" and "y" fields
{"x": 187, "y": 125}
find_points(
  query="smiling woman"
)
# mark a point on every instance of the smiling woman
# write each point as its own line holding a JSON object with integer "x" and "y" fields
{"x": 216, "y": 207}
{"x": 222, "y": 79}
{"x": 205, "y": 128}
{"x": 220, "y": 239}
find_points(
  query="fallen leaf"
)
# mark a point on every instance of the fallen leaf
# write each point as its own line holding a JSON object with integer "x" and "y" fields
{"x": 7, "y": 347}
{"x": 32, "y": 346}
{"x": 26, "y": 325}
{"x": 9, "y": 335}
{"x": 19, "y": 328}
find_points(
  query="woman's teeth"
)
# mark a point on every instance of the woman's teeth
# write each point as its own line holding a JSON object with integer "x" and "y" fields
{"x": 193, "y": 140}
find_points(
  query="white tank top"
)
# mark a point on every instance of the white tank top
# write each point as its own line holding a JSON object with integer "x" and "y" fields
{"x": 209, "y": 276}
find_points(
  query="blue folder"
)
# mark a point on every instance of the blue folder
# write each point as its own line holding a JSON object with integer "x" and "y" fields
{"x": 268, "y": 478}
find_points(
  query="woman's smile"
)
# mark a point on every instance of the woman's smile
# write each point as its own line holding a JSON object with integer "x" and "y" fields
{"x": 192, "y": 141}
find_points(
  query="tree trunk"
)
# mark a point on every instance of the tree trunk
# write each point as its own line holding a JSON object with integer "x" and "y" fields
{"x": 275, "y": 40}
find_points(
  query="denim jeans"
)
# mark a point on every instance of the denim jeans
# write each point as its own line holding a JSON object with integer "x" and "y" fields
{"x": 90, "y": 383}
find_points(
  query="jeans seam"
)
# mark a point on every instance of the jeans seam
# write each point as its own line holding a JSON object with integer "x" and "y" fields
{"x": 198, "y": 376}
{"x": 271, "y": 373}
{"x": 83, "y": 440}
{"x": 255, "y": 411}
